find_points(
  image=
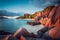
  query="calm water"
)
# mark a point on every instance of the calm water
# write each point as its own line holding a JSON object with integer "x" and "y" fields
{"x": 11, "y": 25}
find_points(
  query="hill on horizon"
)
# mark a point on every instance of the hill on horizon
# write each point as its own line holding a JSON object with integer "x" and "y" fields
{"x": 6, "y": 13}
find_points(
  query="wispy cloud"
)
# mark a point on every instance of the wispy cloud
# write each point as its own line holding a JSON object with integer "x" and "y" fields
{"x": 45, "y": 3}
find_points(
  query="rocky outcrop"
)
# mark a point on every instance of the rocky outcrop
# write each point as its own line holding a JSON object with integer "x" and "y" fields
{"x": 43, "y": 13}
{"x": 38, "y": 13}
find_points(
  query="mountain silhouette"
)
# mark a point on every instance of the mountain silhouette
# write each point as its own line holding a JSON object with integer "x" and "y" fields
{"x": 6, "y": 13}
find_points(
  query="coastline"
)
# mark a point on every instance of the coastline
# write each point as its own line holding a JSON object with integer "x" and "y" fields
{"x": 28, "y": 19}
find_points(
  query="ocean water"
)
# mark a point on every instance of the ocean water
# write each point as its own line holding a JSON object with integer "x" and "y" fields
{"x": 11, "y": 25}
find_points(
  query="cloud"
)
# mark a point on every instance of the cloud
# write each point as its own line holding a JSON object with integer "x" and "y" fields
{"x": 45, "y": 3}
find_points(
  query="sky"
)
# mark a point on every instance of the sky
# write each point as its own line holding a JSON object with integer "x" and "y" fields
{"x": 26, "y": 6}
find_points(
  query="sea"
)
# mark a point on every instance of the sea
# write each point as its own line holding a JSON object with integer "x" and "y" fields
{"x": 11, "y": 25}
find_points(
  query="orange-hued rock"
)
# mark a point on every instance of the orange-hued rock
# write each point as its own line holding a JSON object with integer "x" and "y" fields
{"x": 43, "y": 13}
{"x": 38, "y": 13}
{"x": 47, "y": 10}
{"x": 55, "y": 32}
{"x": 52, "y": 21}
{"x": 22, "y": 38}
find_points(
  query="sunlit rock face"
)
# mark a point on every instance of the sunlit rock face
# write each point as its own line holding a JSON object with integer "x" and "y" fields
{"x": 56, "y": 22}
{"x": 47, "y": 10}
{"x": 44, "y": 12}
{"x": 38, "y": 13}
